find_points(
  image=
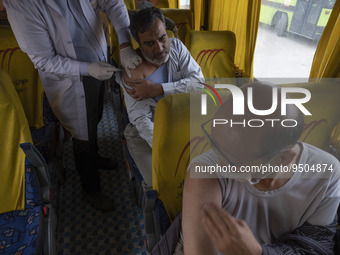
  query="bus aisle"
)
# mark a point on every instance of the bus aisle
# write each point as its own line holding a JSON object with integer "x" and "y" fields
{"x": 84, "y": 230}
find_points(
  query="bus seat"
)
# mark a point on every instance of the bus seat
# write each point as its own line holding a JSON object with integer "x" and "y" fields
{"x": 27, "y": 218}
{"x": 161, "y": 3}
{"x": 177, "y": 137}
{"x": 25, "y": 78}
{"x": 15, "y": 131}
{"x": 214, "y": 51}
{"x": 173, "y": 133}
{"x": 130, "y": 4}
{"x": 183, "y": 19}
{"x": 28, "y": 85}
{"x": 335, "y": 140}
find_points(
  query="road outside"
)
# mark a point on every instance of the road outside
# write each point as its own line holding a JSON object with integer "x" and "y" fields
{"x": 286, "y": 57}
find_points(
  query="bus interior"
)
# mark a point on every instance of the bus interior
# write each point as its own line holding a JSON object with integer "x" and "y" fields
{"x": 291, "y": 43}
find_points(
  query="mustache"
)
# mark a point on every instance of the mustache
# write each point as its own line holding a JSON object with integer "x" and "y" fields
{"x": 161, "y": 53}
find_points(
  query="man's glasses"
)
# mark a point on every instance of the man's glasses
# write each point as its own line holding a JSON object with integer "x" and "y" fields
{"x": 219, "y": 152}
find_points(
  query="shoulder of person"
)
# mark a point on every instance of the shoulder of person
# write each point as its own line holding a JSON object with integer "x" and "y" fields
{"x": 177, "y": 46}
{"x": 319, "y": 158}
{"x": 176, "y": 41}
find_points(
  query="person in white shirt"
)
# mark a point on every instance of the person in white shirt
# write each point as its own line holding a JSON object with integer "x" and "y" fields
{"x": 274, "y": 212}
{"x": 66, "y": 43}
{"x": 167, "y": 68}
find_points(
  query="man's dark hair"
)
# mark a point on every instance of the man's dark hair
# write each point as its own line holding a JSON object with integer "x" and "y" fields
{"x": 279, "y": 137}
{"x": 142, "y": 20}
{"x": 283, "y": 137}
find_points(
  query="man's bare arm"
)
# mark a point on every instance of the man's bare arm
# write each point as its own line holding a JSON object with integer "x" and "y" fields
{"x": 198, "y": 191}
{"x": 140, "y": 87}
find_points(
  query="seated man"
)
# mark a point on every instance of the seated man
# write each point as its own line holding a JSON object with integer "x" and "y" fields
{"x": 291, "y": 211}
{"x": 167, "y": 68}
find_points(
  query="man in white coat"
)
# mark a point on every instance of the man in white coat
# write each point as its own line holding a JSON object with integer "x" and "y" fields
{"x": 66, "y": 42}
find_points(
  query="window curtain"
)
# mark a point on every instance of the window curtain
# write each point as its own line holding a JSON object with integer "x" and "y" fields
{"x": 326, "y": 62}
{"x": 197, "y": 8}
{"x": 241, "y": 17}
{"x": 174, "y": 3}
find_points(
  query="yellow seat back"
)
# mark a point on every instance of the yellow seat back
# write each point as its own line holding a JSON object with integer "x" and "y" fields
{"x": 14, "y": 131}
{"x": 25, "y": 78}
{"x": 335, "y": 139}
{"x": 178, "y": 136}
{"x": 183, "y": 20}
{"x": 161, "y": 3}
{"x": 156, "y": 3}
{"x": 130, "y": 4}
{"x": 214, "y": 51}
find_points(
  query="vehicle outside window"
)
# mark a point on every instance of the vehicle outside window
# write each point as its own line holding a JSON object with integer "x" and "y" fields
{"x": 288, "y": 35}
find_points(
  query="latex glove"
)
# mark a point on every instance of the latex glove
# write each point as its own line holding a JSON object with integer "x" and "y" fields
{"x": 101, "y": 70}
{"x": 129, "y": 59}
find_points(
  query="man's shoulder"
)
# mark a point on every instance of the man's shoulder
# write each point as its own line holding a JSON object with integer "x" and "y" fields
{"x": 177, "y": 49}
{"x": 320, "y": 160}
{"x": 176, "y": 43}
{"x": 207, "y": 158}
{"x": 317, "y": 152}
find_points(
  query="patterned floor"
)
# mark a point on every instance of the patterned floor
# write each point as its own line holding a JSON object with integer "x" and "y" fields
{"x": 83, "y": 230}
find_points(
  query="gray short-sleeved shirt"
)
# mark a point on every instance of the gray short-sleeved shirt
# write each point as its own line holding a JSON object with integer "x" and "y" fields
{"x": 307, "y": 197}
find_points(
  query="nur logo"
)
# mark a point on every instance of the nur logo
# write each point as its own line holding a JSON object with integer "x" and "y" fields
{"x": 239, "y": 99}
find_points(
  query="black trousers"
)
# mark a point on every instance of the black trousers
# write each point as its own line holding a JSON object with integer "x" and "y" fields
{"x": 85, "y": 152}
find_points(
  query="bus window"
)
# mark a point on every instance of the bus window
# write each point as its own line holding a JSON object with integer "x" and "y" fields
{"x": 184, "y": 4}
{"x": 288, "y": 34}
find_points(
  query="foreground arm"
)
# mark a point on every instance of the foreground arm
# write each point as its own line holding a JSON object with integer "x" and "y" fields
{"x": 315, "y": 236}
{"x": 196, "y": 192}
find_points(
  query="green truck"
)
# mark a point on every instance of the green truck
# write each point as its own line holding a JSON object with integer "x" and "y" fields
{"x": 307, "y": 18}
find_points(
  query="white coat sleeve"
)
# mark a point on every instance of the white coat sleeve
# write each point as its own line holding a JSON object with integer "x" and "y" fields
{"x": 118, "y": 15}
{"x": 33, "y": 37}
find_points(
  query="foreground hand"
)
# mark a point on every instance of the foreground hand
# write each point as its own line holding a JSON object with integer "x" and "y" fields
{"x": 129, "y": 59}
{"x": 143, "y": 89}
{"x": 229, "y": 234}
{"x": 101, "y": 70}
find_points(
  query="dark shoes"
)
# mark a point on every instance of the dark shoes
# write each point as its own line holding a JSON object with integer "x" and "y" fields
{"x": 99, "y": 200}
{"x": 106, "y": 163}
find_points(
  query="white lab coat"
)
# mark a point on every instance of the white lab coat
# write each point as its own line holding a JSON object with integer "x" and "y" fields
{"x": 42, "y": 33}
